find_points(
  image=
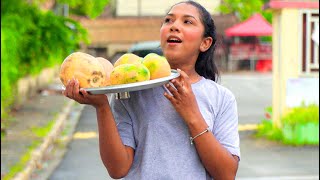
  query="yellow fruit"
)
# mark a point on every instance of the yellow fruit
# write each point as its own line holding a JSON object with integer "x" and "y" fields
{"x": 129, "y": 73}
{"x": 128, "y": 58}
{"x": 157, "y": 65}
{"x": 85, "y": 68}
{"x": 108, "y": 67}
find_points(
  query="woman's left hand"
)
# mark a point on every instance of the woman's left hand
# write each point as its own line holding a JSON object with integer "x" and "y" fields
{"x": 182, "y": 97}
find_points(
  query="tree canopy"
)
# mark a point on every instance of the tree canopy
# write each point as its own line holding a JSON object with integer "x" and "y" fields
{"x": 33, "y": 39}
{"x": 89, "y": 8}
{"x": 244, "y": 9}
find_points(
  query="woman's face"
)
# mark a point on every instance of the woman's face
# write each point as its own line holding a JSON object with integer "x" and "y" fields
{"x": 182, "y": 34}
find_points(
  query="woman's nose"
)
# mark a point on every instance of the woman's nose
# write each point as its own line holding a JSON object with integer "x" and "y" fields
{"x": 174, "y": 27}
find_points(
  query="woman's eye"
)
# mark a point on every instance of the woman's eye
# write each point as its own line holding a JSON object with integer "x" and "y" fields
{"x": 166, "y": 20}
{"x": 188, "y": 22}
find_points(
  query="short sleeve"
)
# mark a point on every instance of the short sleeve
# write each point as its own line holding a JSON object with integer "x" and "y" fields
{"x": 226, "y": 126}
{"x": 123, "y": 121}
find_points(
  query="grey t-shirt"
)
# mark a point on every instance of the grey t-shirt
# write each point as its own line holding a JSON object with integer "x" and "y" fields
{"x": 148, "y": 123}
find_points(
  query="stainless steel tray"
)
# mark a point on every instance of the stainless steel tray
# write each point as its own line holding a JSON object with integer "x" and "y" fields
{"x": 134, "y": 86}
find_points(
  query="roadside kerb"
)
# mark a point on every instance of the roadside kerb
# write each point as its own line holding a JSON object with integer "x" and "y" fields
{"x": 37, "y": 154}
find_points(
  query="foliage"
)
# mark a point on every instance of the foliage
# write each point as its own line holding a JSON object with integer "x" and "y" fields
{"x": 90, "y": 8}
{"x": 267, "y": 130}
{"x": 32, "y": 40}
{"x": 244, "y": 9}
{"x": 299, "y": 127}
{"x": 302, "y": 115}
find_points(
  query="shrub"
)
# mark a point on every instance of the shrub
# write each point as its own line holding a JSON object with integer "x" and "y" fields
{"x": 32, "y": 40}
{"x": 300, "y": 126}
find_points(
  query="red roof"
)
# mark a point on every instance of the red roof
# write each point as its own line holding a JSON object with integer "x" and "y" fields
{"x": 278, "y": 4}
{"x": 254, "y": 26}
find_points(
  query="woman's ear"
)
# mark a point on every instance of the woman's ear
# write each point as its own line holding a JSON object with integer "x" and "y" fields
{"x": 206, "y": 43}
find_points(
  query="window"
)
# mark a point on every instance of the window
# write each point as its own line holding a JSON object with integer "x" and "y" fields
{"x": 309, "y": 48}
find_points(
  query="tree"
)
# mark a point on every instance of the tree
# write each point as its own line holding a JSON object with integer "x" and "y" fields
{"x": 33, "y": 39}
{"x": 90, "y": 8}
{"x": 244, "y": 9}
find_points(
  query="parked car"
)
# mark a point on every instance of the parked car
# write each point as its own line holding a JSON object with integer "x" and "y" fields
{"x": 116, "y": 56}
{"x": 145, "y": 47}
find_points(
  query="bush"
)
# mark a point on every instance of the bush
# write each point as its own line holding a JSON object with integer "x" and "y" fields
{"x": 299, "y": 127}
{"x": 302, "y": 115}
{"x": 32, "y": 40}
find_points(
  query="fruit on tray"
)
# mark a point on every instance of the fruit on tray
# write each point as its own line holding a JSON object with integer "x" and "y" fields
{"x": 128, "y": 58}
{"x": 88, "y": 70}
{"x": 129, "y": 73}
{"x": 157, "y": 65}
{"x": 136, "y": 68}
{"x": 93, "y": 72}
{"x": 108, "y": 67}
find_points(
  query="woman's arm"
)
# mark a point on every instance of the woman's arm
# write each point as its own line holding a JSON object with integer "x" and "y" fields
{"x": 116, "y": 157}
{"x": 216, "y": 159}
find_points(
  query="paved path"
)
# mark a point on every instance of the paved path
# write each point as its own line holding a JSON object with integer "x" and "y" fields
{"x": 82, "y": 160}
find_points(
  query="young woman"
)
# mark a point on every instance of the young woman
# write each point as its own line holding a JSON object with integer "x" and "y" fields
{"x": 187, "y": 130}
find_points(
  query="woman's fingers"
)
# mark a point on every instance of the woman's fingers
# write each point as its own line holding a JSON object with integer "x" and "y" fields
{"x": 75, "y": 91}
{"x": 169, "y": 97}
{"x": 69, "y": 88}
{"x": 178, "y": 84}
{"x": 84, "y": 93}
{"x": 183, "y": 76}
{"x": 182, "y": 82}
{"x": 172, "y": 90}
{"x": 72, "y": 90}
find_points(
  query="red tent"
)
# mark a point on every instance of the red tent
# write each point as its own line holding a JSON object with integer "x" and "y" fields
{"x": 256, "y": 25}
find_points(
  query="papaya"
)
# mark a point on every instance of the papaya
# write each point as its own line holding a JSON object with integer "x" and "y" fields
{"x": 87, "y": 69}
{"x": 128, "y": 58}
{"x": 108, "y": 67}
{"x": 157, "y": 65}
{"x": 129, "y": 73}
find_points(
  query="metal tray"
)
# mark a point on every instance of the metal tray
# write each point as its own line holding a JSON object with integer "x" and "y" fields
{"x": 134, "y": 86}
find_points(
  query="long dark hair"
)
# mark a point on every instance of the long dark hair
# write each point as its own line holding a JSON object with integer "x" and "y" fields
{"x": 205, "y": 64}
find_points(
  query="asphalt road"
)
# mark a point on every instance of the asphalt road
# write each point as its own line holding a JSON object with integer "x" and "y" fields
{"x": 260, "y": 159}
{"x": 253, "y": 92}
{"x": 82, "y": 160}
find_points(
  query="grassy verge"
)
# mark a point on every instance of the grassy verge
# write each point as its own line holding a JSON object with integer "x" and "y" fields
{"x": 39, "y": 132}
{"x": 22, "y": 163}
{"x": 299, "y": 127}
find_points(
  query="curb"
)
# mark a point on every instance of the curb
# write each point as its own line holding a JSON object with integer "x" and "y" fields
{"x": 247, "y": 127}
{"x": 37, "y": 154}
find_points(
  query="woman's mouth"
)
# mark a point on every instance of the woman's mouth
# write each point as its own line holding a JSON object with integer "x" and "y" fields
{"x": 173, "y": 40}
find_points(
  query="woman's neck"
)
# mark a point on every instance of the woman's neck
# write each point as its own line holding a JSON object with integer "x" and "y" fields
{"x": 191, "y": 72}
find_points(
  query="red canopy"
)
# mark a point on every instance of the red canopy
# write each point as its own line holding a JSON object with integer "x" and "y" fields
{"x": 256, "y": 25}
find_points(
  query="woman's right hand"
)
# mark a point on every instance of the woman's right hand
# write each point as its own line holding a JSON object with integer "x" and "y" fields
{"x": 73, "y": 91}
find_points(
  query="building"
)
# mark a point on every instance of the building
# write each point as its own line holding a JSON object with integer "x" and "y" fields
{"x": 134, "y": 8}
{"x": 295, "y": 54}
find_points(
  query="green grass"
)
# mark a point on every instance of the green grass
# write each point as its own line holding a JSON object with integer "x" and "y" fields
{"x": 268, "y": 131}
{"x": 19, "y": 166}
{"x": 299, "y": 127}
{"x": 43, "y": 131}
